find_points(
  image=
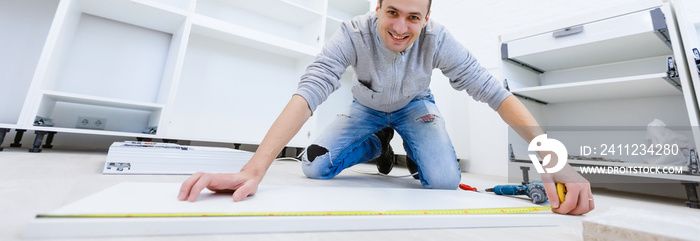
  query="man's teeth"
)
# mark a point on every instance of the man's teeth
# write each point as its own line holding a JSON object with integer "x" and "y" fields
{"x": 397, "y": 37}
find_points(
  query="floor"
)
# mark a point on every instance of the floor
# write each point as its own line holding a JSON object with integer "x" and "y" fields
{"x": 32, "y": 183}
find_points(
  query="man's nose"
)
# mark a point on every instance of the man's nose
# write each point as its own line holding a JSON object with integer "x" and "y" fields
{"x": 400, "y": 26}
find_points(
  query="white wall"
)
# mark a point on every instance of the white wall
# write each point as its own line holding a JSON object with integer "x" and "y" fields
{"x": 480, "y": 135}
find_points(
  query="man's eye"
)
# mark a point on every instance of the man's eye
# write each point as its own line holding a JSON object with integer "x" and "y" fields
{"x": 392, "y": 12}
{"x": 414, "y": 18}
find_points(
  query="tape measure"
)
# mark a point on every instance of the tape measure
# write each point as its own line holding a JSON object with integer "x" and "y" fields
{"x": 514, "y": 210}
{"x": 561, "y": 192}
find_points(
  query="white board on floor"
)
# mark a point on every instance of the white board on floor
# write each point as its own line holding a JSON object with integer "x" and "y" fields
{"x": 126, "y": 198}
{"x": 137, "y": 157}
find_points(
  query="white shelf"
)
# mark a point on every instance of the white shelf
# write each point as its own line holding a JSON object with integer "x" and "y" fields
{"x": 121, "y": 116}
{"x": 277, "y": 19}
{"x": 100, "y": 101}
{"x": 616, "y": 39}
{"x": 175, "y": 6}
{"x": 607, "y": 89}
{"x": 218, "y": 29}
{"x": 9, "y": 126}
{"x": 314, "y": 5}
{"x": 292, "y": 13}
{"x": 577, "y": 166}
{"x": 92, "y": 132}
{"x": 143, "y": 13}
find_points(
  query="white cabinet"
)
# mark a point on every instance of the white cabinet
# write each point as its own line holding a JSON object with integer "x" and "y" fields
{"x": 600, "y": 82}
{"x": 207, "y": 70}
{"x": 113, "y": 60}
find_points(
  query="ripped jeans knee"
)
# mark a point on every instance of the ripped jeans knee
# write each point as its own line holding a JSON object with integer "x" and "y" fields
{"x": 314, "y": 151}
{"x": 316, "y": 163}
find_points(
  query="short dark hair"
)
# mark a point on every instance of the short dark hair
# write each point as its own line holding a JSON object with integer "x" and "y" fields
{"x": 430, "y": 3}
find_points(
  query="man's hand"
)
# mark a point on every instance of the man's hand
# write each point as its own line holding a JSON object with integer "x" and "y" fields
{"x": 242, "y": 185}
{"x": 578, "y": 199}
{"x": 245, "y": 183}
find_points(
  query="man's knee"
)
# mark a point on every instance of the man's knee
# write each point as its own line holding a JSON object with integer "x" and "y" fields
{"x": 314, "y": 151}
{"x": 315, "y": 164}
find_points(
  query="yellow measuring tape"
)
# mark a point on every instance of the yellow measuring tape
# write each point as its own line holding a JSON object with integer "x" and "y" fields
{"x": 330, "y": 213}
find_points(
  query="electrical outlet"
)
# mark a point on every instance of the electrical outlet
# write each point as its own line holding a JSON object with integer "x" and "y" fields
{"x": 91, "y": 123}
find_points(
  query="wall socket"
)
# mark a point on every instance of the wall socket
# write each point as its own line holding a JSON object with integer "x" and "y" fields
{"x": 91, "y": 123}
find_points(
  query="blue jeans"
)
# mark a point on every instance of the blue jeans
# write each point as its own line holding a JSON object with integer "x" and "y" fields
{"x": 350, "y": 140}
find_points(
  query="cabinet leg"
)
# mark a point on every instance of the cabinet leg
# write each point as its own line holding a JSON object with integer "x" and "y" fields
{"x": 692, "y": 194}
{"x": 37, "y": 141}
{"x": 3, "y": 131}
{"x": 18, "y": 138}
{"x": 49, "y": 139}
{"x": 526, "y": 175}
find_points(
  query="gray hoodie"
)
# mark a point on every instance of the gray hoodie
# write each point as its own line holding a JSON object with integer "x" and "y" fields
{"x": 385, "y": 80}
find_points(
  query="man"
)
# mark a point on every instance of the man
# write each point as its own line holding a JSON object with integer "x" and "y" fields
{"x": 393, "y": 52}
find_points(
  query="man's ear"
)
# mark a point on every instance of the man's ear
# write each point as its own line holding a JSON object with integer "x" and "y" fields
{"x": 427, "y": 17}
{"x": 379, "y": 4}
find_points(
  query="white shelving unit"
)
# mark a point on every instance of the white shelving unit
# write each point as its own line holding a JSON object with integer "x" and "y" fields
{"x": 602, "y": 81}
{"x": 639, "y": 86}
{"x": 189, "y": 68}
{"x": 107, "y": 58}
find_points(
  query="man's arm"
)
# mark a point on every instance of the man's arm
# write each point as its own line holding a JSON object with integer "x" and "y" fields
{"x": 245, "y": 183}
{"x": 579, "y": 198}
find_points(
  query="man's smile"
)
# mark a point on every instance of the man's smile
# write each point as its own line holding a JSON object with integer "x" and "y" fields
{"x": 397, "y": 37}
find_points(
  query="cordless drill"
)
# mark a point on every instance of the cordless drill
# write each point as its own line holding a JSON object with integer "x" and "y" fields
{"x": 534, "y": 190}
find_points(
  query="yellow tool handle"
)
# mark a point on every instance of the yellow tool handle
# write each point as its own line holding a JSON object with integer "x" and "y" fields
{"x": 330, "y": 213}
{"x": 561, "y": 192}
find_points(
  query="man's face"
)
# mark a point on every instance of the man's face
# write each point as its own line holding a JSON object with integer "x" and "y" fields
{"x": 401, "y": 21}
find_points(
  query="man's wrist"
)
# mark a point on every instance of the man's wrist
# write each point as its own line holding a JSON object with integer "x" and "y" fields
{"x": 257, "y": 166}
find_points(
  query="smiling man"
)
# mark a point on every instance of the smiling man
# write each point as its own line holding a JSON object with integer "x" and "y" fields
{"x": 393, "y": 52}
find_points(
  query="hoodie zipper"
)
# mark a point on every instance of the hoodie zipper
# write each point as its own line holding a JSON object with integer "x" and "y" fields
{"x": 395, "y": 84}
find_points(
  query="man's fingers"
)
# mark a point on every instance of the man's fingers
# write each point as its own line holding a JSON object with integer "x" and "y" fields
{"x": 187, "y": 186}
{"x": 571, "y": 199}
{"x": 551, "y": 189}
{"x": 585, "y": 202}
{"x": 583, "y": 205}
{"x": 195, "y": 184}
{"x": 197, "y": 188}
{"x": 244, "y": 191}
